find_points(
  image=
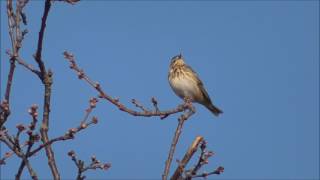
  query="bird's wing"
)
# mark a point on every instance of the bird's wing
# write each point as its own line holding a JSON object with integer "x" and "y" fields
{"x": 199, "y": 82}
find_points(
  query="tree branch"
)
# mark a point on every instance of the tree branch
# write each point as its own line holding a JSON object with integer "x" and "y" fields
{"x": 24, "y": 64}
{"x": 46, "y": 78}
{"x": 146, "y": 113}
{"x": 72, "y": 131}
{"x": 190, "y": 152}
{"x": 38, "y": 55}
{"x": 4, "y": 137}
{"x": 69, "y": 135}
{"x": 95, "y": 164}
{"x": 33, "y": 111}
{"x": 4, "y": 114}
{"x": 175, "y": 140}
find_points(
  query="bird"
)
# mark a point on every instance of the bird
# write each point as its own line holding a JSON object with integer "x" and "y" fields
{"x": 186, "y": 84}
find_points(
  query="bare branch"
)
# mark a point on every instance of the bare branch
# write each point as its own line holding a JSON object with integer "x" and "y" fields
{"x": 38, "y": 55}
{"x": 95, "y": 164}
{"x": 16, "y": 37}
{"x": 203, "y": 160}
{"x": 24, "y": 64}
{"x": 68, "y": 135}
{"x": 175, "y": 140}
{"x": 218, "y": 171}
{"x": 72, "y": 2}
{"x": 4, "y": 137}
{"x": 182, "y": 164}
{"x": 72, "y": 131}
{"x": 115, "y": 101}
{"x": 46, "y": 78}
{"x": 32, "y": 139}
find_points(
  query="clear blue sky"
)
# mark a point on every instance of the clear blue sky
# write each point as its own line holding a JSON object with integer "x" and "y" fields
{"x": 258, "y": 60}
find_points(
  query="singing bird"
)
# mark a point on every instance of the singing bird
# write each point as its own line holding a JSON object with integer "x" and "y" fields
{"x": 187, "y": 85}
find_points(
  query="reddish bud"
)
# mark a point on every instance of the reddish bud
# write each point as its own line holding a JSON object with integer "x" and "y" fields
{"x": 93, "y": 102}
{"x": 80, "y": 74}
{"x": 219, "y": 170}
{"x": 94, "y": 120}
{"x": 20, "y": 127}
{"x": 84, "y": 125}
{"x": 97, "y": 85}
{"x": 29, "y": 132}
{"x": 106, "y": 166}
{"x": 7, "y": 154}
{"x": 5, "y": 105}
{"x": 71, "y": 153}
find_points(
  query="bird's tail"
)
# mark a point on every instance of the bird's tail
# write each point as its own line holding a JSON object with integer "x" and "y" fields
{"x": 216, "y": 111}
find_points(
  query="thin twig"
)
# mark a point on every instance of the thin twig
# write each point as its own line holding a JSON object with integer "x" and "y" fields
{"x": 72, "y": 131}
{"x": 95, "y": 164}
{"x": 175, "y": 140}
{"x": 25, "y": 64}
{"x": 23, "y": 163}
{"x": 218, "y": 171}
{"x": 138, "y": 105}
{"x": 203, "y": 160}
{"x": 32, "y": 139}
{"x": 68, "y": 135}
{"x": 5, "y": 138}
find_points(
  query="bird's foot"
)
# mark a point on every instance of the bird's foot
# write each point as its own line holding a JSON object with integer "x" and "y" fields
{"x": 187, "y": 100}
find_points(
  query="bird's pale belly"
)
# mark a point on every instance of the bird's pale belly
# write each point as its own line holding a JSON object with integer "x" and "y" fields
{"x": 186, "y": 88}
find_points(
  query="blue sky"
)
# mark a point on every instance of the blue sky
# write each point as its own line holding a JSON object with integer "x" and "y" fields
{"x": 259, "y": 62}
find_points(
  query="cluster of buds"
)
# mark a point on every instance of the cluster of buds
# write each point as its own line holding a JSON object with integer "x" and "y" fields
{"x": 70, "y": 133}
{"x": 4, "y": 106}
{"x": 93, "y": 102}
{"x": 68, "y": 56}
{"x": 97, "y": 164}
{"x": 20, "y": 127}
{"x": 72, "y": 154}
{"x": 205, "y": 155}
{"x": 33, "y": 137}
{"x": 98, "y": 87}
{"x": 33, "y": 111}
{"x": 219, "y": 170}
{"x": 203, "y": 160}
{"x": 106, "y": 166}
{"x": 80, "y": 74}
{"x": 94, "y": 120}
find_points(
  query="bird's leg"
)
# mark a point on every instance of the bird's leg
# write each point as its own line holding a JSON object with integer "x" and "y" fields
{"x": 187, "y": 99}
{"x": 188, "y": 105}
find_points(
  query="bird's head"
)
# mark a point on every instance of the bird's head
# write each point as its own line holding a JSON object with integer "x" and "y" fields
{"x": 177, "y": 60}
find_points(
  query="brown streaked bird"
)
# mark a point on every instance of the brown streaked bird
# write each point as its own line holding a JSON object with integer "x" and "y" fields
{"x": 187, "y": 85}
